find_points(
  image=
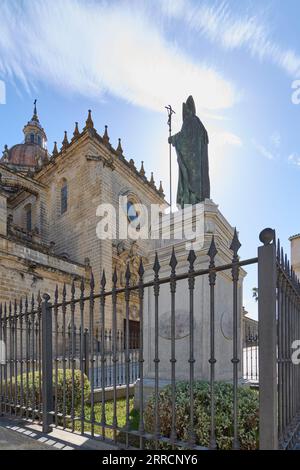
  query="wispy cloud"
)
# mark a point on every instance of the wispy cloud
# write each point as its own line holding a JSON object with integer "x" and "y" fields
{"x": 2, "y": 92}
{"x": 275, "y": 139}
{"x": 294, "y": 158}
{"x": 95, "y": 48}
{"x": 232, "y": 31}
{"x": 222, "y": 138}
{"x": 263, "y": 150}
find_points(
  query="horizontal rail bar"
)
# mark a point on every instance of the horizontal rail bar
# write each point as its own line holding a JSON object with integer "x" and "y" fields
{"x": 121, "y": 290}
{"x": 164, "y": 280}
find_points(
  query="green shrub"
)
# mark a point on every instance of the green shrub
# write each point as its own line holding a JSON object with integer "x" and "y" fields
{"x": 247, "y": 414}
{"x": 32, "y": 392}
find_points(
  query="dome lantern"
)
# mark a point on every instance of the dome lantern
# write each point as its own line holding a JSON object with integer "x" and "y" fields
{"x": 33, "y": 131}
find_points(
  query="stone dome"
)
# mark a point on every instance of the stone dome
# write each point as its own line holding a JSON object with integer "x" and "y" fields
{"x": 27, "y": 154}
{"x": 32, "y": 153}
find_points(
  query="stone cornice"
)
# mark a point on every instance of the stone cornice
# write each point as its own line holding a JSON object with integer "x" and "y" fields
{"x": 111, "y": 158}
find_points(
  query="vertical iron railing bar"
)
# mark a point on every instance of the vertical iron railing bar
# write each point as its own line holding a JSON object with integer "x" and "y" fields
{"x": 10, "y": 356}
{"x": 21, "y": 361}
{"x": 6, "y": 358}
{"x": 251, "y": 353}
{"x": 39, "y": 353}
{"x": 82, "y": 356}
{"x": 110, "y": 357}
{"x": 141, "y": 354}
{"x": 115, "y": 355}
{"x": 280, "y": 357}
{"x": 284, "y": 345}
{"x": 127, "y": 357}
{"x": 73, "y": 358}
{"x": 287, "y": 358}
{"x": 32, "y": 315}
{"x": 91, "y": 328}
{"x": 103, "y": 359}
{"x": 291, "y": 364}
{"x": 64, "y": 357}
{"x": 15, "y": 348}
{"x": 235, "y": 246}
{"x": 288, "y": 355}
{"x": 173, "y": 264}
{"x": 156, "y": 288}
{"x": 56, "y": 355}
{"x": 2, "y": 353}
{"x": 27, "y": 357}
{"x": 212, "y": 360}
{"x": 297, "y": 390}
{"x": 47, "y": 364}
{"x": 191, "y": 284}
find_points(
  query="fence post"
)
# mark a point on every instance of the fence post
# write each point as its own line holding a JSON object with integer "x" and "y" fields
{"x": 47, "y": 392}
{"x": 267, "y": 327}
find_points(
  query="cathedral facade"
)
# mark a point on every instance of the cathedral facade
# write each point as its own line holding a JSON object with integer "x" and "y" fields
{"x": 48, "y": 220}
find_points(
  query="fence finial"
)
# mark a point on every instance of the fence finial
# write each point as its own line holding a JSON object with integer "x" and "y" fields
{"x": 173, "y": 260}
{"x": 212, "y": 250}
{"x": 235, "y": 244}
{"x": 115, "y": 277}
{"x": 103, "y": 279}
{"x": 141, "y": 268}
{"x": 156, "y": 265}
{"x": 267, "y": 236}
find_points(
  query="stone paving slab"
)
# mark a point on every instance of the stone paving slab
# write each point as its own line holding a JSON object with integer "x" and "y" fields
{"x": 13, "y": 440}
{"x": 18, "y": 434}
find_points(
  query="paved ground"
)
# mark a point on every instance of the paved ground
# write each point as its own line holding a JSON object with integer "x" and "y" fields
{"x": 13, "y": 440}
{"x": 16, "y": 434}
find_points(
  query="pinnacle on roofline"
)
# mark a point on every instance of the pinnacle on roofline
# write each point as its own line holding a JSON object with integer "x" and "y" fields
{"x": 89, "y": 124}
{"x": 105, "y": 135}
{"x": 55, "y": 150}
{"x": 76, "y": 132}
{"x": 160, "y": 189}
{"x": 119, "y": 149}
{"x": 65, "y": 142}
{"x": 142, "y": 170}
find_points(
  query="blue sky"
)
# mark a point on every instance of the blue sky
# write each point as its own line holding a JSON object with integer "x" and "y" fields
{"x": 127, "y": 59}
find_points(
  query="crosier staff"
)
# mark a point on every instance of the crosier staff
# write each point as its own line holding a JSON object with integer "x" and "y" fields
{"x": 170, "y": 111}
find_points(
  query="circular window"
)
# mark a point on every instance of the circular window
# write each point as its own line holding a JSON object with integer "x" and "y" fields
{"x": 132, "y": 213}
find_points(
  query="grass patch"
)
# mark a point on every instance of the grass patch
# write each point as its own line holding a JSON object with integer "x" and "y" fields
{"x": 109, "y": 415}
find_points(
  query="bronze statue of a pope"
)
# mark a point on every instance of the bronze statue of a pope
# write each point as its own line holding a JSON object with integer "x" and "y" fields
{"x": 191, "y": 145}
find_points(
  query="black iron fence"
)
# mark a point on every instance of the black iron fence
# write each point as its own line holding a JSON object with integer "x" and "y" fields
{"x": 74, "y": 345}
{"x": 53, "y": 373}
{"x": 250, "y": 355}
{"x": 288, "y": 326}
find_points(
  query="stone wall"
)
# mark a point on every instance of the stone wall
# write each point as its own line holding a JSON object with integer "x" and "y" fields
{"x": 26, "y": 272}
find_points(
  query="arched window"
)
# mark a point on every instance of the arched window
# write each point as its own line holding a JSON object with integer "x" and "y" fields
{"x": 64, "y": 197}
{"x": 28, "y": 217}
{"x": 32, "y": 138}
{"x": 39, "y": 140}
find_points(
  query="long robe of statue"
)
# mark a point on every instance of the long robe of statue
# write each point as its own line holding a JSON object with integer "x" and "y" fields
{"x": 191, "y": 145}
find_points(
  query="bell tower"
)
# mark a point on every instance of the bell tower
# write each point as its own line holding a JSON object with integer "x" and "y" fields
{"x": 33, "y": 131}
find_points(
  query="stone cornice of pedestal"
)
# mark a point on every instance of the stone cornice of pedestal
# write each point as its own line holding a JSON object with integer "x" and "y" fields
{"x": 214, "y": 223}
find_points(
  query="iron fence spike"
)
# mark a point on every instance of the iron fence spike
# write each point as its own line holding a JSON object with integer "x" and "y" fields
{"x": 156, "y": 265}
{"x": 173, "y": 260}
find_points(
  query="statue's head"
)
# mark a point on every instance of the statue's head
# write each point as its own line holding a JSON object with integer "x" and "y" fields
{"x": 188, "y": 108}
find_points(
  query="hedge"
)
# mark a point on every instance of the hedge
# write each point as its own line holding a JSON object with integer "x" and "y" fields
{"x": 32, "y": 395}
{"x": 248, "y": 414}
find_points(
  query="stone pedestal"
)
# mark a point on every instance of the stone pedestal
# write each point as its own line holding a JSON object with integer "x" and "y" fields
{"x": 209, "y": 221}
